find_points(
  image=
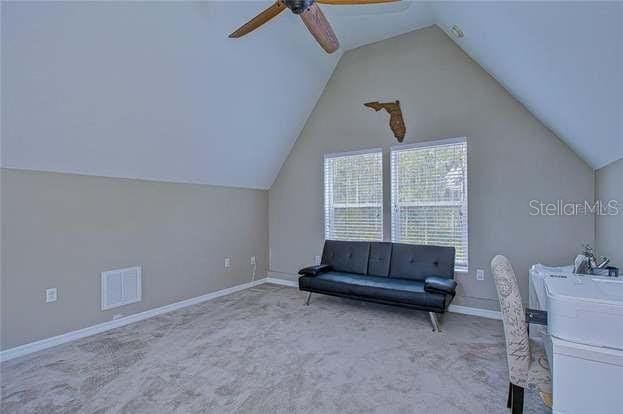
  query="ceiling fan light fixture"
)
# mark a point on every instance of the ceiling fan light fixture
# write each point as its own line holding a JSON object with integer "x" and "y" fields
{"x": 457, "y": 32}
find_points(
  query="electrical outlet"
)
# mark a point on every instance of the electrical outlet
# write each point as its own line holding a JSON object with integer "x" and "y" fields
{"x": 480, "y": 274}
{"x": 51, "y": 295}
{"x": 227, "y": 262}
{"x": 317, "y": 260}
{"x": 253, "y": 260}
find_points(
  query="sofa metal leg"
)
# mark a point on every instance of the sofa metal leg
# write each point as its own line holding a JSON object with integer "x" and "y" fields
{"x": 308, "y": 298}
{"x": 433, "y": 321}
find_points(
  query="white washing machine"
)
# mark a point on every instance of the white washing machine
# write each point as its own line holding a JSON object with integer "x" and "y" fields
{"x": 585, "y": 326}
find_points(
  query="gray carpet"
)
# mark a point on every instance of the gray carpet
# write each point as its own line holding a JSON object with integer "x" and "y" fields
{"x": 262, "y": 351}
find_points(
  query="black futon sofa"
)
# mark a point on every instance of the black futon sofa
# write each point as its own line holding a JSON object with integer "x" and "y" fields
{"x": 414, "y": 276}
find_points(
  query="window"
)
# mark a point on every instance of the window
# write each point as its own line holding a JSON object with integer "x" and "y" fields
{"x": 353, "y": 194}
{"x": 429, "y": 195}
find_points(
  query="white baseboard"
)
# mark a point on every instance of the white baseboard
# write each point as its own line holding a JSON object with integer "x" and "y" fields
{"x": 105, "y": 326}
{"x": 282, "y": 282}
{"x": 484, "y": 313}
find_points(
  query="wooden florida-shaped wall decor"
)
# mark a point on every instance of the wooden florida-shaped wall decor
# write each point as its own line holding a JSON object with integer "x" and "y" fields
{"x": 396, "y": 122}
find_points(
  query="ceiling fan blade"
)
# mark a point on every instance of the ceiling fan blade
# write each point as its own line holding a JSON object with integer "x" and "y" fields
{"x": 260, "y": 19}
{"x": 346, "y": 2}
{"x": 320, "y": 28}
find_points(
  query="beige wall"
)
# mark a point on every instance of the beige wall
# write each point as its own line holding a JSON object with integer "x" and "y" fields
{"x": 609, "y": 229}
{"x": 62, "y": 230}
{"x": 512, "y": 158}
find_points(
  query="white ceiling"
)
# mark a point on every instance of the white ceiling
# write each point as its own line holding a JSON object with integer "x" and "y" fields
{"x": 563, "y": 61}
{"x": 363, "y": 24}
{"x": 157, "y": 90}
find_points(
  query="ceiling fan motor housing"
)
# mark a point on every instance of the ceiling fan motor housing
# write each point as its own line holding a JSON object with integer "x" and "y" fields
{"x": 298, "y": 6}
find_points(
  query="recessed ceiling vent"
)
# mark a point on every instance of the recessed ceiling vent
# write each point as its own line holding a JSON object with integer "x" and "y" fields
{"x": 121, "y": 287}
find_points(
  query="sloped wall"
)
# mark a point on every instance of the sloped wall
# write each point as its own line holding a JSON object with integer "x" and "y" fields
{"x": 513, "y": 158}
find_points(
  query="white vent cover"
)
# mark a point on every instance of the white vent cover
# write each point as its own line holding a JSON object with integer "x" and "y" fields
{"x": 121, "y": 287}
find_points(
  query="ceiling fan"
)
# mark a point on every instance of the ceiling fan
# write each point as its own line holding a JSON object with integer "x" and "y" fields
{"x": 311, "y": 15}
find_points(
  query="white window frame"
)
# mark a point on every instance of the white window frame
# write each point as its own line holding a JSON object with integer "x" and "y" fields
{"x": 395, "y": 217}
{"x": 326, "y": 184}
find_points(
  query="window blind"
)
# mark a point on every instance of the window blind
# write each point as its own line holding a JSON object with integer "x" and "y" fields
{"x": 353, "y": 194}
{"x": 429, "y": 195}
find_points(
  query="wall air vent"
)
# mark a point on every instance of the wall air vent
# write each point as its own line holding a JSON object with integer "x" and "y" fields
{"x": 121, "y": 287}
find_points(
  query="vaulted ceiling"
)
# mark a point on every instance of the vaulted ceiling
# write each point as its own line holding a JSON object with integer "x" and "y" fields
{"x": 157, "y": 90}
{"x": 562, "y": 60}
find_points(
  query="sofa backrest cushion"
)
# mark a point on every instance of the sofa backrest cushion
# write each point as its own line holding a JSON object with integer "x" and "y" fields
{"x": 380, "y": 258}
{"x": 346, "y": 256}
{"x": 417, "y": 262}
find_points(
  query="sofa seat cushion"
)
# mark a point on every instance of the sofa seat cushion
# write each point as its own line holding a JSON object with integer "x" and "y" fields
{"x": 409, "y": 292}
